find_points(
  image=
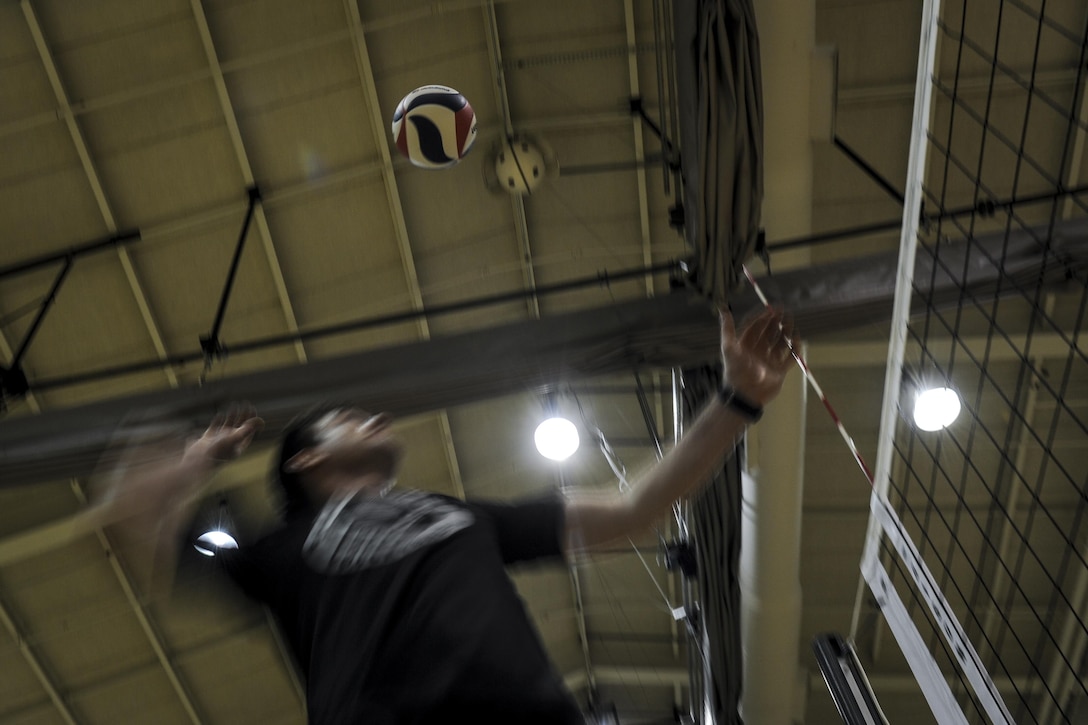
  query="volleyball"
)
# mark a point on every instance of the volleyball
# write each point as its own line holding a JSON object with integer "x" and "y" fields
{"x": 434, "y": 127}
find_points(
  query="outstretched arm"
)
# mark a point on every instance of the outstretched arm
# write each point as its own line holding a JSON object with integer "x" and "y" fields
{"x": 150, "y": 505}
{"x": 756, "y": 361}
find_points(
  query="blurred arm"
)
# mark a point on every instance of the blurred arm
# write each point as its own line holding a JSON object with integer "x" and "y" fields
{"x": 149, "y": 506}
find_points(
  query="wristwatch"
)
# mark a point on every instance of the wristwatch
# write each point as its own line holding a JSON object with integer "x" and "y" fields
{"x": 747, "y": 409}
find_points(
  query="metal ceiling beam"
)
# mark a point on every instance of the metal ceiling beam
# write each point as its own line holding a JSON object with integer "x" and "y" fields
{"x": 9, "y": 355}
{"x": 151, "y": 325}
{"x": 72, "y": 252}
{"x": 238, "y": 145}
{"x": 640, "y": 147}
{"x": 396, "y": 211}
{"x": 583, "y": 633}
{"x": 90, "y": 171}
{"x": 629, "y": 676}
{"x": 286, "y": 658}
{"x": 259, "y": 216}
{"x": 392, "y": 191}
{"x": 136, "y": 93}
{"x": 426, "y": 376}
{"x": 517, "y": 202}
{"x": 270, "y": 199}
{"x": 151, "y": 633}
{"x": 528, "y": 274}
{"x": 856, "y": 95}
{"x": 660, "y": 331}
{"x": 600, "y": 279}
{"x": 635, "y": 87}
{"x": 654, "y": 436}
{"x": 35, "y": 664}
{"x": 278, "y": 53}
{"x": 287, "y": 194}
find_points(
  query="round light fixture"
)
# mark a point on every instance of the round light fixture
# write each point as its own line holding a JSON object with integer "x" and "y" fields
{"x": 556, "y": 438}
{"x": 210, "y": 542}
{"x": 936, "y": 408}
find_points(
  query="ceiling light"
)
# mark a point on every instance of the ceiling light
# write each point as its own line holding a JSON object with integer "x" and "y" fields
{"x": 212, "y": 541}
{"x": 936, "y": 408}
{"x": 556, "y": 438}
{"x": 218, "y": 535}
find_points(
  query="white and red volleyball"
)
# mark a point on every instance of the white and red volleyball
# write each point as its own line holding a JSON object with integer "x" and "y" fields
{"x": 434, "y": 127}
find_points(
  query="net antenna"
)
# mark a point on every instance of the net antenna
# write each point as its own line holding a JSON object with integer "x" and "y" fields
{"x": 977, "y": 547}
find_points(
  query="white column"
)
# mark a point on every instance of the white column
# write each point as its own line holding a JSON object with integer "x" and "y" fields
{"x": 770, "y": 560}
{"x": 772, "y": 493}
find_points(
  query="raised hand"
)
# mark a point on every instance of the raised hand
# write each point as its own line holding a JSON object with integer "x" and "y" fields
{"x": 757, "y": 358}
{"x": 151, "y": 479}
{"x": 227, "y": 437}
{"x": 150, "y": 498}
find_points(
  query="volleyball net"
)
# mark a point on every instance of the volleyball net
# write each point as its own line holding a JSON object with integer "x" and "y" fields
{"x": 977, "y": 549}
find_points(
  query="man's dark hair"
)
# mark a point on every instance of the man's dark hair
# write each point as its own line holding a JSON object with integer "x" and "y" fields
{"x": 298, "y": 435}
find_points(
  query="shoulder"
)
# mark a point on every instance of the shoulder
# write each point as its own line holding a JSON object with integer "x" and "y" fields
{"x": 527, "y": 528}
{"x": 540, "y": 500}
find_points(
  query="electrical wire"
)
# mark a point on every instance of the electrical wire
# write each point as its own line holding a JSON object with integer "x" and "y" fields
{"x": 815, "y": 385}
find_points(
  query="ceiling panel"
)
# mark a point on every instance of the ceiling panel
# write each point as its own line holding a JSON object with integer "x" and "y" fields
{"x": 241, "y": 677}
{"x": 295, "y": 139}
{"x": 57, "y": 207}
{"x": 149, "y": 118}
{"x": 130, "y": 697}
{"x": 43, "y": 715}
{"x": 36, "y": 152}
{"x": 103, "y": 56}
{"x": 450, "y": 50}
{"x": 19, "y": 53}
{"x": 20, "y": 690}
{"x": 95, "y": 296}
{"x": 256, "y": 27}
{"x": 79, "y": 623}
{"x": 172, "y": 176}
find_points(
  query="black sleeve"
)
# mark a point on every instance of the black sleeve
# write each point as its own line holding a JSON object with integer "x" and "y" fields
{"x": 254, "y": 569}
{"x": 239, "y": 566}
{"x": 270, "y": 565}
{"x": 528, "y": 529}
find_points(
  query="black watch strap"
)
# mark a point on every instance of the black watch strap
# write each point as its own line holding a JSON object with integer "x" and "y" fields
{"x": 747, "y": 409}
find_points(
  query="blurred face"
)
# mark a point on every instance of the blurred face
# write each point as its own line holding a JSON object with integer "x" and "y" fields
{"x": 354, "y": 441}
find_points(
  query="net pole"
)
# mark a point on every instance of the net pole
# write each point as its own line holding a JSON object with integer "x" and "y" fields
{"x": 883, "y": 520}
{"x": 912, "y": 209}
{"x": 934, "y": 686}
